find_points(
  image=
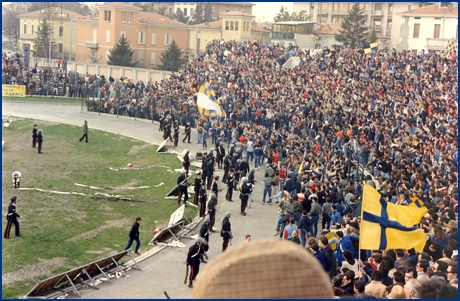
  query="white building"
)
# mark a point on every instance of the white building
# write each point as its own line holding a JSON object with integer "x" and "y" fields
{"x": 380, "y": 15}
{"x": 429, "y": 28}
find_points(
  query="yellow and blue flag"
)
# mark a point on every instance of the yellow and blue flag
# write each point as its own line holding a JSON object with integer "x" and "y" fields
{"x": 386, "y": 226}
{"x": 415, "y": 202}
{"x": 368, "y": 47}
{"x": 208, "y": 106}
{"x": 452, "y": 45}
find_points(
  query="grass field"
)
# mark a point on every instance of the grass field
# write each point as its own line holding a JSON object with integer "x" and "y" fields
{"x": 61, "y": 232}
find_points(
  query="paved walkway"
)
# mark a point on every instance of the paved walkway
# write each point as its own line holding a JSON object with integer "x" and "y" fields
{"x": 164, "y": 271}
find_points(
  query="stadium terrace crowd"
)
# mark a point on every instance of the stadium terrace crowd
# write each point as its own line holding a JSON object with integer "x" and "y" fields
{"x": 322, "y": 127}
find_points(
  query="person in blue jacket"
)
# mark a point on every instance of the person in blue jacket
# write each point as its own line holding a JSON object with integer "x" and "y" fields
{"x": 343, "y": 243}
{"x": 318, "y": 255}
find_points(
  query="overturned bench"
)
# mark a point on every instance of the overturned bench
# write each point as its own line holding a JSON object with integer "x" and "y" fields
{"x": 6, "y": 120}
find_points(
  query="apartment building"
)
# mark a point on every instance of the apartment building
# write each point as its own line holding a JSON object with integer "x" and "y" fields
{"x": 431, "y": 28}
{"x": 63, "y": 28}
{"x": 380, "y": 15}
{"x": 148, "y": 33}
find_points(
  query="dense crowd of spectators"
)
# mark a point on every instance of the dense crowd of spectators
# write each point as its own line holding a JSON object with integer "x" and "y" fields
{"x": 44, "y": 81}
{"x": 339, "y": 117}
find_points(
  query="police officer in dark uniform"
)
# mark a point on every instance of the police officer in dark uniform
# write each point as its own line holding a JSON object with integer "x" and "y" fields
{"x": 12, "y": 218}
{"x": 196, "y": 188}
{"x": 176, "y": 133}
{"x": 230, "y": 186}
{"x": 34, "y": 136}
{"x": 193, "y": 259}
{"x": 215, "y": 187}
{"x": 202, "y": 199}
{"x": 210, "y": 170}
{"x": 212, "y": 210}
{"x": 238, "y": 172}
{"x": 226, "y": 231}
{"x": 244, "y": 167}
{"x": 204, "y": 233}
{"x": 204, "y": 167}
{"x": 187, "y": 131}
{"x": 227, "y": 164}
{"x": 162, "y": 121}
{"x": 220, "y": 154}
{"x": 186, "y": 163}
{"x": 245, "y": 190}
{"x": 182, "y": 183}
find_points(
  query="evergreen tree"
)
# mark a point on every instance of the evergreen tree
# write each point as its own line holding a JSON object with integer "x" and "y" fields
{"x": 121, "y": 54}
{"x": 372, "y": 36}
{"x": 43, "y": 40}
{"x": 198, "y": 14}
{"x": 207, "y": 12}
{"x": 162, "y": 10}
{"x": 354, "y": 31}
{"x": 171, "y": 58}
{"x": 179, "y": 16}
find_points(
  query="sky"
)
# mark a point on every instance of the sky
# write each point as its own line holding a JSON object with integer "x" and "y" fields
{"x": 266, "y": 11}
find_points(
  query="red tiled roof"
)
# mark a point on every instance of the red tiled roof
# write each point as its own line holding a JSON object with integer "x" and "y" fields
{"x": 258, "y": 29}
{"x": 329, "y": 28}
{"x": 211, "y": 25}
{"x": 431, "y": 10}
{"x": 154, "y": 18}
{"x": 56, "y": 13}
{"x": 120, "y": 4}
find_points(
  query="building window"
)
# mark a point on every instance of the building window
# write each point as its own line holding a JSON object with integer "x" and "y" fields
{"x": 25, "y": 28}
{"x": 185, "y": 11}
{"x": 167, "y": 39}
{"x": 417, "y": 18}
{"x": 107, "y": 15}
{"x": 141, "y": 38}
{"x": 107, "y": 36}
{"x": 126, "y": 17}
{"x": 416, "y": 30}
{"x": 232, "y": 25}
{"x": 123, "y": 34}
{"x": 227, "y": 25}
{"x": 140, "y": 56}
{"x": 154, "y": 38}
{"x": 61, "y": 31}
{"x": 246, "y": 26}
{"x": 437, "y": 30}
{"x": 153, "y": 57}
{"x": 32, "y": 29}
{"x": 237, "y": 24}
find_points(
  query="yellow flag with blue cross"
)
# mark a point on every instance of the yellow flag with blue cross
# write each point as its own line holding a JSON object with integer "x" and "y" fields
{"x": 385, "y": 225}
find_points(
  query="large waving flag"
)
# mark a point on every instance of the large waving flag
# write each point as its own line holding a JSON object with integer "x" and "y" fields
{"x": 388, "y": 226}
{"x": 208, "y": 106}
{"x": 415, "y": 202}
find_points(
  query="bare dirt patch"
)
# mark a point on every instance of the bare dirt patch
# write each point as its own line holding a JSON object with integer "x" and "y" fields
{"x": 137, "y": 148}
{"x": 33, "y": 271}
{"x": 121, "y": 223}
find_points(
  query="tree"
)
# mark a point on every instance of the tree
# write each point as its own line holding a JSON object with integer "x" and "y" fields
{"x": 44, "y": 45}
{"x": 93, "y": 59}
{"x": 171, "y": 58}
{"x": 179, "y": 16}
{"x": 10, "y": 20}
{"x": 162, "y": 10}
{"x": 197, "y": 17}
{"x": 283, "y": 15}
{"x": 372, "y": 38}
{"x": 354, "y": 32}
{"x": 207, "y": 12}
{"x": 121, "y": 54}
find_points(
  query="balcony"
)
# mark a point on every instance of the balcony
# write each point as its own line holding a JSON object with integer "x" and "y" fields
{"x": 437, "y": 44}
{"x": 378, "y": 12}
{"x": 283, "y": 35}
{"x": 91, "y": 44}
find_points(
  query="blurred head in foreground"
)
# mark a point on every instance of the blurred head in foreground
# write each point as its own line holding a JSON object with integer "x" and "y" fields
{"x": 263, "y": 270}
